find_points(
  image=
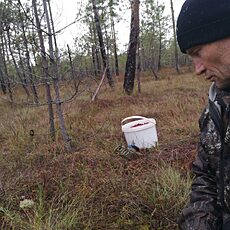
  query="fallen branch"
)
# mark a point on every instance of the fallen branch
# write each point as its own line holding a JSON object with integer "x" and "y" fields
{"x": 99, "y": 86}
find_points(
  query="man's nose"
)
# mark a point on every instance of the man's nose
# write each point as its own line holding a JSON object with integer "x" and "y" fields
{"x": 199, "y": 66}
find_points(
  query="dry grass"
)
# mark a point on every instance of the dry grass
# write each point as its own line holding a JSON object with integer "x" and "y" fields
{"x": 91, "y": 187}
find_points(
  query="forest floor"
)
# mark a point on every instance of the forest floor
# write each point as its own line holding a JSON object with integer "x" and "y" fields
{"x": 42, "y": 186}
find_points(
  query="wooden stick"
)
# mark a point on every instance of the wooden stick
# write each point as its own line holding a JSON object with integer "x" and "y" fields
{"x": 99, "y": 86}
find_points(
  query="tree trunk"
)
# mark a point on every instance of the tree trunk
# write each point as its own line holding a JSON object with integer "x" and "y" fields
{"x": 143, "y": 57}
{"x": 30, "y": 71}
{"x": 98, "y": 61}
{"x": 132, "y": 49}
{"x": 97, "y": 52}
{"x": 23, "y": 80}
{"x": 138, "y": 68}
{"x": 107, "y": 49}
{"x": 34, "y": 46}
{"x": 94, "y": 60}
{"x": 93, "y": 51}
{"x": 72, "y": 69}
{"x": 174, "y": 36}
{"x": 102, "y": 46}
{"x": 2, "y": 82}
{"x": 115, "y": 48}
{"x": 45, "y": 71}
{"x": 5, "y": 54}
{"x": 159, "y": 50}
{"x": 54, "y": 36}
{"x": 55, "y": 77}
{"x": 2, "y": 73}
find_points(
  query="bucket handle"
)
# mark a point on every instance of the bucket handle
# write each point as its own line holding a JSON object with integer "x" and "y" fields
{"x": 138, "y": 117}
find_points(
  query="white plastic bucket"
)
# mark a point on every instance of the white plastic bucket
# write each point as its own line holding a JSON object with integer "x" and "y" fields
{"x": 140, "y": 131}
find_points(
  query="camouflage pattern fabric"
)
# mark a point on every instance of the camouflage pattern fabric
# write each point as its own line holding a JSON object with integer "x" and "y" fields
{"x": 209, "y": 205}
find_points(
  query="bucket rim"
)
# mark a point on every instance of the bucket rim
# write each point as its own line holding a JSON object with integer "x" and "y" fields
{"x": 129, "y": 126}
{"x": 151, "y": 120}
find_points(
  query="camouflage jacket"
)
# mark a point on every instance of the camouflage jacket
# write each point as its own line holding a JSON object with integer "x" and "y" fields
{"x": 209, "y": 205}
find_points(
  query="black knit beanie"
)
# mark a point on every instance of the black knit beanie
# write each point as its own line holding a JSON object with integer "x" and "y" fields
{"x": 202, "y": 21}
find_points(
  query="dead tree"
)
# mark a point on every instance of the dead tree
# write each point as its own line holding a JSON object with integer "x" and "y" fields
{"x": 55, "y": 77}
{"x": 47, "y": 79}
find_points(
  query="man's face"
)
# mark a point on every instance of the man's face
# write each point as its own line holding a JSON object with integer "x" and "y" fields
{"x": 213, "y": 60}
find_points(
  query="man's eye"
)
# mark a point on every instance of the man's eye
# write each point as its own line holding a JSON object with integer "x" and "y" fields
{"x": 196, "y": 52}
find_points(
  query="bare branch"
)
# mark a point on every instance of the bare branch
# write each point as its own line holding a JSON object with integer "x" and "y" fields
{"x": 99, "y": 86}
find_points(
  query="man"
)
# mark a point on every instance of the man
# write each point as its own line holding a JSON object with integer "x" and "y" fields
{"x": 203, "y": 32}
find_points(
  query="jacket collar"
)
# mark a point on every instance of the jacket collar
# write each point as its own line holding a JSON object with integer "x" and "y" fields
{"x": 216, "y": 94}
{"x": 212, "y": 92}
